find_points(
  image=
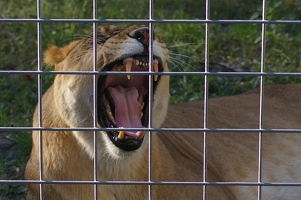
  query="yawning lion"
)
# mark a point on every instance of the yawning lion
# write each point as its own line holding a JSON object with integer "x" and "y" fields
{"x": 123, "y": 155}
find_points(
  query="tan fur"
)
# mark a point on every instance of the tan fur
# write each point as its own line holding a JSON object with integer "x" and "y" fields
{"x": 55, "y": 55}
{"x": 176, "y": 156}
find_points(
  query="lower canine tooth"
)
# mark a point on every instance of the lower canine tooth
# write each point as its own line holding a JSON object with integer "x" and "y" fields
{"x": 141, "y": 106}
{"x": 141, "y": 136}
{"x": 121, "y": 135}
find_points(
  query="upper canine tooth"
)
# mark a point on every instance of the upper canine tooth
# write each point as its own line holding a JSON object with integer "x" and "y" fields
{"x": 111, "y": 116}
{"x": 137, "y": 62}
{"x": 128, "y": 67}
{"x": 118, "y": 68}
{"x": 107, "y": 105}
{"x": 155, "y": 66}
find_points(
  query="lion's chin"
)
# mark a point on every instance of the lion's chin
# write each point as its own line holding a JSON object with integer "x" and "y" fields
{"x": 127, "y": 143}
{"x": 105, "y": 148}
{"x": 116, "y": 152}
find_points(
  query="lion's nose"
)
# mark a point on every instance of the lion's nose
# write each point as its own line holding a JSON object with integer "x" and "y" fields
{"x": 142, "y": 35}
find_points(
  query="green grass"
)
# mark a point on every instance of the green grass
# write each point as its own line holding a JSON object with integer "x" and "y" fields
{"x": 232, "y": 47}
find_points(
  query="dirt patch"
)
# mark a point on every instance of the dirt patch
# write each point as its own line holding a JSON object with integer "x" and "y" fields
{"x": 5, "y": 143}
{"x": 13, "y": 158}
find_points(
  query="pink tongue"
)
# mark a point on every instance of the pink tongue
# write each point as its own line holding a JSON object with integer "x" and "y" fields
{"x": 127, "y": 109}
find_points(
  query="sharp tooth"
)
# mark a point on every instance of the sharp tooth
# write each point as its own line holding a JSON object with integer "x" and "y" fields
{"x": 141, "y": 115}
{"x": 141, "y": 136}
{"x": 142, "y": 105}
{"x": 111, "y": 116}
{"x": 128, "y": 67}
{"x": 117, "y": 68}
{"x": 107, "y": 105}
{"x": 137, "y": 62}
{"x": 121, "y": 135}
{"x": 155, "y": 65}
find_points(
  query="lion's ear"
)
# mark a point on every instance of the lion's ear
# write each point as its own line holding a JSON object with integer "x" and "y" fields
{"x": 54, "y": 54}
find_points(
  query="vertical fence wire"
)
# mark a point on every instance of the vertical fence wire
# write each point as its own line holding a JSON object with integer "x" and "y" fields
{"x": 150, "y": 97}
{"x": 261, "y": 99}
{"x": 40, "y": 114}
{"x": 206, "y": 91}
{"x": 95, "y": 161}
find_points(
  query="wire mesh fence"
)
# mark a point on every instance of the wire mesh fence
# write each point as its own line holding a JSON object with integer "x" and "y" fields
{"x": 203, "y": 71}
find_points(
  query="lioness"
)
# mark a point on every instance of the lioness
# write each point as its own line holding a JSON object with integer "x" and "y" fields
{"x": 122, "y": 101}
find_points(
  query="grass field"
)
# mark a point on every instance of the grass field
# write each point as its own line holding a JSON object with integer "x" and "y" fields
{"x": 233, "y": 47}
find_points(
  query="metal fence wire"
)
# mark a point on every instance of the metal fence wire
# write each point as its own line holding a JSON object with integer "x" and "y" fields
{"x": 151, "y": 21}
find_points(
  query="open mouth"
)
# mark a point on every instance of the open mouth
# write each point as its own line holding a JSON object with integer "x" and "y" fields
{"x": 123, "y": 100}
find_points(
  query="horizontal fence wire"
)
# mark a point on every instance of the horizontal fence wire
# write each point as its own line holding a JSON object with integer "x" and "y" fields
{"x": 289, "y": 74}
{"x": 39, "y": 21}
{"x": 188, "y": 183}
{"x": 158, "y": 21}
{"x": 221, "y": 130}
